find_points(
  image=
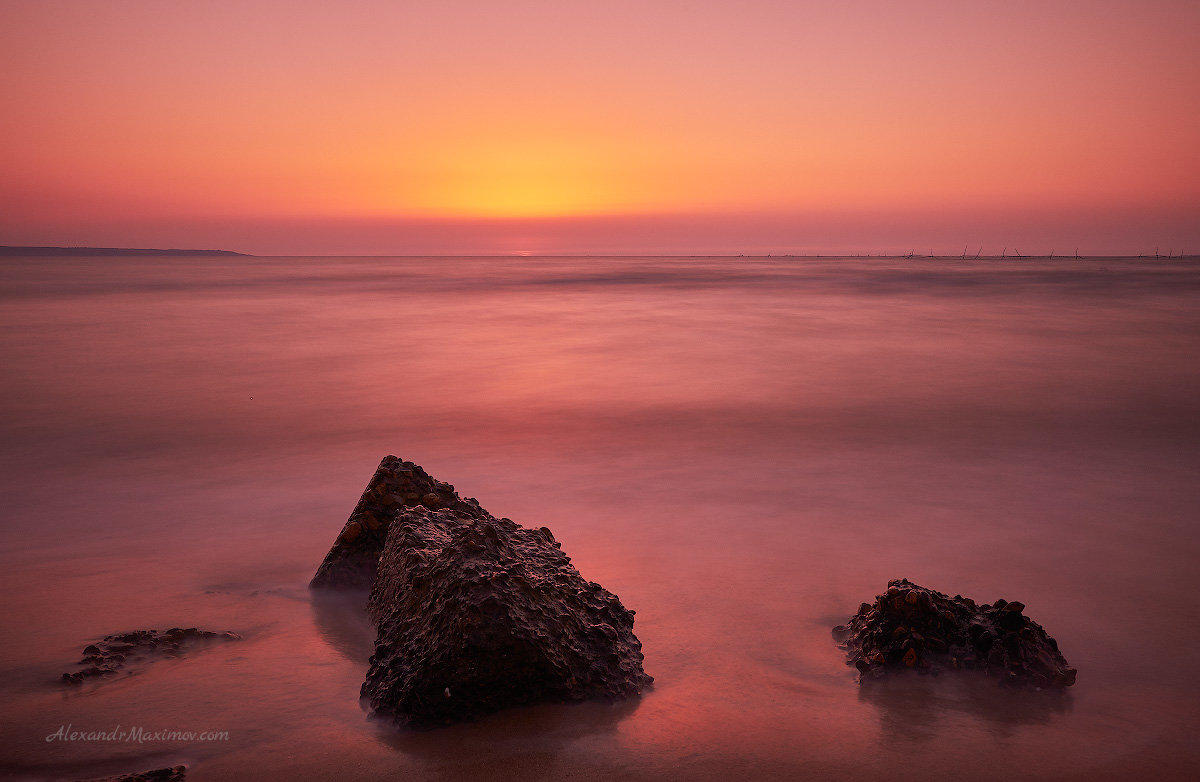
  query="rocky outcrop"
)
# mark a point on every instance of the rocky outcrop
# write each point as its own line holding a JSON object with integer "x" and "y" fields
{"x": 475, "y": 614}
{"x": 910, "y": 626}
{"x": 352, "y": 561}
{"x": 478, "y": 614}
{"x": 114, "y": 653}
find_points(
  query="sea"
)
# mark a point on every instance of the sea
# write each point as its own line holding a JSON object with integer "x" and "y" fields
{"x": 742, "y": 449}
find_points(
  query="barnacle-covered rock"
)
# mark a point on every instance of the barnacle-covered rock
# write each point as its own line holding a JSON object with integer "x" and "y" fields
{"x": 910, "y": 626}
{"x": 473, "y": 613}
{"x": 396, "y": 484}
{"x": 130, "y": 651}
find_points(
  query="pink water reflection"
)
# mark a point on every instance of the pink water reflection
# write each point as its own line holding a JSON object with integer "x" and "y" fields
{"x": 743, "y": 451}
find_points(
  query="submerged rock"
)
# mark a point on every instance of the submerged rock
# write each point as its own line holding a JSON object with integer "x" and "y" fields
{"x": 172, "y": 774}
{"x": 475, "y": 614}
{"x": 910, "y": 626}
{"x": 108, "y": 657}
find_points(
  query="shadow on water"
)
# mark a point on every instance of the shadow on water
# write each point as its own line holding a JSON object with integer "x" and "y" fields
{"x": 342, "y": 622}
{"x": 520, "y": 743}
{"x": 913, "y": 707}
{"x": 517, "y": 743}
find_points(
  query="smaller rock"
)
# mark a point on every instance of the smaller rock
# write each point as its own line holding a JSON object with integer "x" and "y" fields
{"x": 172, "y": 774}
{"x": 909, "y": 626}
{"x": 115, "y": 653}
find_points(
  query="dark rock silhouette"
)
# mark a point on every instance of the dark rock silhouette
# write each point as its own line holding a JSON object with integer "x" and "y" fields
{"x": 172, "y": 774}
{"x": 8, "y": 250}
{"x": 910, "y": 626}
{"x": 474, "y": 614}
{"x": 354, "y": 558}
{"x": 108, "y": 657}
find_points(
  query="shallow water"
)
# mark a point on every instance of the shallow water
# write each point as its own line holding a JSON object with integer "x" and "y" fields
{"x": 742, "y": 449}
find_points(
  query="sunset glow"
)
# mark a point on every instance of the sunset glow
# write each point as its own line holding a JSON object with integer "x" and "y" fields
{"x": 636, "y": 390}
{"x": 131, "y": 122}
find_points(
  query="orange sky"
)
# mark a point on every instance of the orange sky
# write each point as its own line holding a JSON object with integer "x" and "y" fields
{"x": 372, "y": 126}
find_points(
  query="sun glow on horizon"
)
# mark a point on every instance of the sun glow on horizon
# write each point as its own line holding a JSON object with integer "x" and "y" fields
{"x": 517, "y": 180}
{"x": 152, "y": 114}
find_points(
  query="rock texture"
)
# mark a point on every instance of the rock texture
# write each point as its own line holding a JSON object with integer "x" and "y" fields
{"x": 108, "y": 657}
{"x": 910, "y": 626}
{"x": 475, "y": 614}
{"x": 353, "y": 560}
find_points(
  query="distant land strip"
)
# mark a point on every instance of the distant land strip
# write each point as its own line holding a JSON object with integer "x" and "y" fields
{"x": 6, "y": 250}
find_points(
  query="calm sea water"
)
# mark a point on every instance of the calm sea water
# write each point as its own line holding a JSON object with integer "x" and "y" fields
{"x": 742, "y": 449}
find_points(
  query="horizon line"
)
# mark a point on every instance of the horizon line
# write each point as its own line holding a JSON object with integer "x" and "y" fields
{"x": 65, "y": 250}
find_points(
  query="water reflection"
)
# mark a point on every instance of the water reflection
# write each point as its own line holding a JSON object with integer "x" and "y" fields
{"x": 520, "y": 743}
{"x": 342, "y": 622}
{"x": 742, "y": 450}
{"x": 913, "y": 707}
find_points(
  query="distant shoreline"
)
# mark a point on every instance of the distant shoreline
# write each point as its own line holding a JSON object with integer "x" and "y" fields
{"x": 18, "y": 251}
{"x": 8, "y": 251}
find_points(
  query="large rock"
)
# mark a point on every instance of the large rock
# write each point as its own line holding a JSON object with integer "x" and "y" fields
{"x": 352, "y": 561}
{"x": 475, "y": 614}
{"x": 910, "y": 626}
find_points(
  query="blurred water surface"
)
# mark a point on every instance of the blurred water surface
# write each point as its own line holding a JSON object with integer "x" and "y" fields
{"x": 743, "y": 449}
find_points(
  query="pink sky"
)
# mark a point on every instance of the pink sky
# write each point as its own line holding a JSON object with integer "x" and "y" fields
{"x": 387, "y": 127}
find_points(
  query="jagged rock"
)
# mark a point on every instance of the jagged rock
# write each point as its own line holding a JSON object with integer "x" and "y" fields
{"x": 352, "y": 561}
{"x": 115, "y": 652}
{"x": 910, "y": 626}
{"x": 475, "y": 614}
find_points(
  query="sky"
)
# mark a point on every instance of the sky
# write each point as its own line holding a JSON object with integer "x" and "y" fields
{"x": 381, "y": 127}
